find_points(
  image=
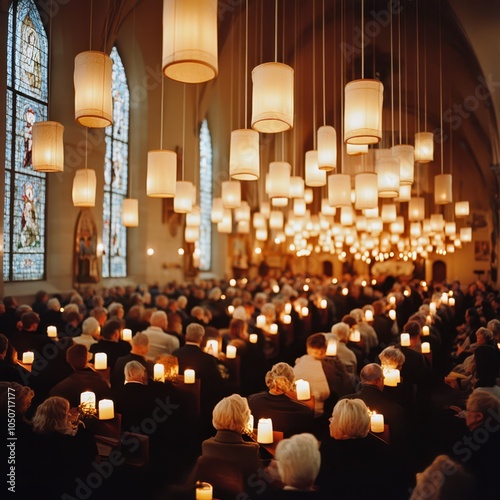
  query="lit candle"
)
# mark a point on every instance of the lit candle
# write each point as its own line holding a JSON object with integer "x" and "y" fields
{"x": 204, "y": 491}
{"x": 405, "y": 339}
{"x": 391, "y": 377}
{"x": 273, "y": 328}
{"x": 87, "y": 400}
{"x": 253, "y": 338}
{"x": 392, "y": 314}
{"x": 355, "y": 336}
{"x": 303, "y": 390}
{"x": 250, "y": 423}
{"x": 230, "y": 309}
{"x": 52, "y": 332}
{"x": 288, "y": 308}
{"x": 426, "y": 348}
{"x": 106, "y": 409}
{"x": 158, "y": 372}
{"x": 261, "y": 321}
{"x": 444, "y": 298}
{"x": 323, "y": 304}
{"x": 331, "y": 348}
{"x": 428, "y": 319}
{"x": 127, "y": 334}
{"x": 189, "y": 376}
{"x": 304, "y": 311}
{"x": 451, "y": 301}
{"x": 377, "y": 422}
{"x": 432, "y": 308}
{"x": 368, "y": 315}
{"x": 392, "y": 300}
{"x": 231, "y": 352}
{"x": 100, "y": 360}
{"x": 28, "y": 357}
{"x": 426, "y": 331}
{"x": 287, "y": 319}
{"x": 212, "y": 347}
{"x": 265, "y": 431}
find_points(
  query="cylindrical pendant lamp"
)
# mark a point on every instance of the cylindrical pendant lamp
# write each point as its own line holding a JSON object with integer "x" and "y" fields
{"x": 231, "y": 194}
{"x": 308, "y": 195}
{"x": 406, "y": 155}
{"x": 466, "y": 234}
{"x": 314, "y": 176}
{"x": 363, "y": 112}
{"x": 437, "y": 223}
{"x": 299, "y": 207}
{"x": 276, "y": 220}
{"x": 404, "y": 193}
{"x": 443, "y": 189}
{"x": 461, "y": 209}
{"x": 193, "y": 218}
{"x": 296, "y": 187}
{"x": 416, "y": 209}
{"x": 190, "y": 40}
{"x": 272, "y": 97}
{"x": 398, "y": 226}
{"x": 356, "y": 149}
{"x": 415, "y": 229}
{"x": 388, "y": 170}
{"x": 327, "y": 148}
{"x": 259, "y": 221}
{"x": 278, "y": 180}
{"x": 261, "y": 234}
{"x": 217, "y": 210}
{"x": 191, "y": 234}
{"x": 84, "y": 188}
{"x": 389, "y": 213}
{"x": 450, "y": 229}
{"x": 226, "y": 224}
{"x": 92, "y": 79}
{"x": 347, "y": 216}
{"x": 161, "y": 173}
{"x": 424, "y": 147}
{"x": 242, "y": 213}
{"x": 183, "y": 200}
{"x": 244, "y": 157}
{"x": 243, "y": 227}
{"x": 130, "y": 212}
{"x": 48, "y": 147}
{"x": 366, "y": 186}
{"x": 339, "y": 190}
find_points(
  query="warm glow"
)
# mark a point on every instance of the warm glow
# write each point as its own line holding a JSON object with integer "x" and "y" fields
{"x": 48, "y": 147}
{"x": 161, "y": 173}
{"x": 244, "y": 159}
{"x": 84, "y": 188}
{"x": 327, "y": 148}
{"x": 130, "y": 212}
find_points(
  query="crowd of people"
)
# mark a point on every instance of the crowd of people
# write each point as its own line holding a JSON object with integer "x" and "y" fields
{"x": 441, "y": 415}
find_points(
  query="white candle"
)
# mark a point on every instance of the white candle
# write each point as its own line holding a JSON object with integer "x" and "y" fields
{"x": 355, "y": 336}
{"x": 212, "y": 347}
{"x": 368, "y": 315}
{"x": 444, "y": 298}
{"x": 250, "y": 423}
{"x": 428, "y": 319}
{"x": 305, "y": 311}
{"x": 391, "y": 377}
{"x": 28, "y": 357}
{"x": 204, "y": 491}
{"x": 287, "y": 319}
{"x": 426, "y": 348}
{"x": 426, "y": 331}
{"x": 261, "y": 321}
{"x": 253, "y": 338}
{"x": 392, "y": 314}
{"x": 331, "y": 348}
{"x": 392, "y": 300}
{"x": 303, "y": 390}
{"x": 451, "y": 301}
{"x": 273, "y": 328}
{"x": 230, "y": 309}
{"x": 231, "y": 352}
{"x": 158, "y": 372}
{"x": 52, "y": 332}
{"x": 377, "y": 422}
{"x": 127, "y": 334}
{"x": 405, "y": 339}
{"x": 265, "y": 431}
{"x": 100, "y": 361}
{"x": 288, "y": 308}
{"x": 323, "y": 304}
{"x": 87, "y": 400}
{"x": 432, "y": 308}
{"x": 106, "y": 409}
{"x": 189, "y": 376}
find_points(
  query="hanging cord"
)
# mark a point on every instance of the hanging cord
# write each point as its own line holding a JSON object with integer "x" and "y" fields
{"x": 342, "y": 82}
{"x": 392, "y": 77}
{"x": 418, "y": 69}
{"x": 86, "y": 146}
{"x": 246, "y": 64}
{"x": 314, "y": 74}
{"x": 183, "y": 128}
{"x": 276, "y": 31}
{"x": 162, "y": 112}
{"x": 323, "y": 61}
{"x": 362, "y": 39}
{"x": 295, "y": 89}
{"x": 441, "y": 84}
{"x": 91, "y": 15}
{"x": 400, "y": 105}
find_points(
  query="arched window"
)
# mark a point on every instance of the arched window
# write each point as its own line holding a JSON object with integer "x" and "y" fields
{"x": 114, "y": 234}
{"x": 27, "y": 102}
{"x": 205, "y": 197}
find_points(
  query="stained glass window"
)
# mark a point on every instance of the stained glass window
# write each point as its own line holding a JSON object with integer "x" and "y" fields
{"x": 205, "y": 197}
{"x": 26, "y": 103}
{"x": 114, "y": 236}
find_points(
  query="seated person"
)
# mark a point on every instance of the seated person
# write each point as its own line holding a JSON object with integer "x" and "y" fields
{"x": 110, "y": 342}
{"x": 289, "y": 415}
{"x": 90, "y": 333}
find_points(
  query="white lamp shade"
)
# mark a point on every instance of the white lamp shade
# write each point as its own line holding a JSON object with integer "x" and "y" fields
{"x": 161, "y": 174}
{"x": 389, "y": 213}
{"x": 190, "y": 40}
{"x": 259, "y": 221}
{"x": 466, "y": 234}
{"x": 183, "y": 200}
{"x": 398, "y": 226}
{"x": 387, "y": 169}
{"x": 242, "y": 213}
{"x": 130, "y": 212}
{"x": 296, "y": 187}
{"x": 244, "y": 158}
{"x": 327, "y": 148}
{"x": 406, "y": 155}
{"x": 326, "y": 208}
{"x": 231, "y": 194}
{"x": 193, "y": 218}
{"x": 308, "y": 196}
{"x": 278, "y": 180}
{"x": 84, "y": 187}
{"x": 437, "y": 223}
{"x": 356, "y": 149}
{"x": 339, "y": 190}
{"x": 299, "y": 207}
{"x": 92, "y": 79}
{"x": 191, "y": 234}
{"x": 416, "y": 209}
{"x": 461, "y": 209}
{"x": 347, "y": 216}
{"x": 226, "y": 224}
{"x": 272, "y": 97}
{"x": 276, "y": 220}
{"x": 243, "y": 227}
{"x": 261, "y": 234}
{"x": 404, "y": 193}
{"x": 217, "y": 210}
{"x": 443, "y": 189}
{"x": 366, "y": 186}
{"x": 363, "y": 112}
{"x": 424, "y": 147}
{"x": 48, "y": 147}
{"x": 415, "y": 229}
{"x": 450, "y": 229}
{"x": 314, "y": 176}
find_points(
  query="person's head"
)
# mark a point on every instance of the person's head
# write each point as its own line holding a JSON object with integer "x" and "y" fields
{"x": 161, "y": 301}
{"x": 298, "y": 460}
{"x": 280, "y": 378}
{"x": 182, "y": 301}
{"x": 90, "y": 326}
{"x": 269, "y": 311}
{"x": 215, "y": 294}
{"x": 231, "y": 414}
{"x": 74, "y": 318}
{"x": 198, "y": 313}
{"x": 159, "y": 319}
{"x": 372, "y": 374}
{"x": 342, "y": 331}
{"x": 23, "y": 396}
{"x": 316, "y": 346}
{"x": 378, "y": 307}
{"x": 238, "y": 329}
{"x": 115, "y": 309}
{"x": 195, "y": 333}
{"x": 444, "y": 478}
{"x": 240, "y": 313}
{"x": 30, "y": 321}
{"x": 170, "y": 364}
{"x": 480, "y": 407}
{"x": 140, "y": 344}
{"x": 414, "y": 329}
{"x": 77, "y": 299}
{"x": 53, "y": 304}
{"x": 100, "y": 314}
{"x": 484, "y": 336}
{"x": 53, "y": 416}
{"x": 10, "y": 302}
{"x": 135, "y": 372}
{"x": 350, "y": 419}
{"x": 111, "y": 330}
{"x": 77, "y": 356}
{"x": 391, "y": 357}
{"x": 358, "y": 315}
{"x": 135, "y": 312}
